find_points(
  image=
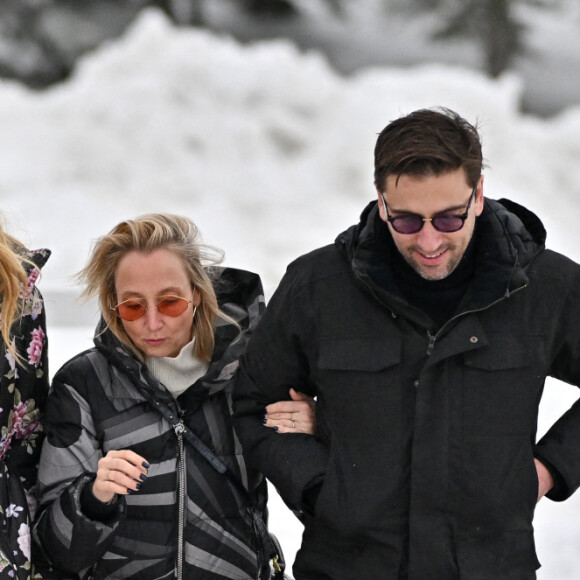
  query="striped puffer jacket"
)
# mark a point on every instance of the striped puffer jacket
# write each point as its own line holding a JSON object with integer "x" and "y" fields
{"x": 96, "y": 404}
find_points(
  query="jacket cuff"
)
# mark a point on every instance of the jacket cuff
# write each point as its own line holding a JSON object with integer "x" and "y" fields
{"x": 559, "y": 491}
{"x": 95, "y": 509}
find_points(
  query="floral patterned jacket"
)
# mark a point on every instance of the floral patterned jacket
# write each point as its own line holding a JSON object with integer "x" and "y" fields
{"x": 23, "y": 392}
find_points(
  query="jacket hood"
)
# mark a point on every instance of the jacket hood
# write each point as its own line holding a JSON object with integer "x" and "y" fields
{"x": 509, "y": 237}
{"x": 240, "y": 296}
{"x": 524, "y": 227}
{"x": 38, "y": 257}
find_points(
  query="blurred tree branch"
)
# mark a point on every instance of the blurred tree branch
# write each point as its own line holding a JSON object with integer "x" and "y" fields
{"x": 491, "y": 23}
{"x": 40, "y": 40}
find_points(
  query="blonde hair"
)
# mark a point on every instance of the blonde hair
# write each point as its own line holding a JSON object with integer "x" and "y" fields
{"x": 146, "y": 234}
{"x": 13, "y": 282}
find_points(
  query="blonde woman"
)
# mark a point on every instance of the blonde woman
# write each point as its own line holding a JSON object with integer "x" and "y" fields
{"x": 124, "y": 492}
{"x": 23, "y": 391}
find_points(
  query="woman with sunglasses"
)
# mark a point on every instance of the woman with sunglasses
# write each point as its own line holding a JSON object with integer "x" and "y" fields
{"x": 126, "y": 488}
{"x": 23, "y": 391}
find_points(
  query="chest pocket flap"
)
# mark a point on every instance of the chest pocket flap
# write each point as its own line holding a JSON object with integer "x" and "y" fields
{"x": 506, "y": 352}
{"x": 369, "y": 354}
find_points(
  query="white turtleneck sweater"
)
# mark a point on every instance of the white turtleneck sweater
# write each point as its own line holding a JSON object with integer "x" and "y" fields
{"x": 177, "y": 373}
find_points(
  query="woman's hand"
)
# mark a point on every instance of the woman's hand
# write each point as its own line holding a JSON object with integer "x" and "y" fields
{"x": 295, "y": 416}
{"x": 119, "y": 472}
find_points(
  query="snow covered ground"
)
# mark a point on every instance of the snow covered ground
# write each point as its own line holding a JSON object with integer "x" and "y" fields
{"x": 270, "y": 152}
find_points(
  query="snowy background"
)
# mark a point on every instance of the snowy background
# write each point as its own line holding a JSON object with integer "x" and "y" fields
{"x": 269, "y": 151}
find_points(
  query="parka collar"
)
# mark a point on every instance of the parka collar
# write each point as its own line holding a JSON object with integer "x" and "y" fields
{"x": 508, "y": 238}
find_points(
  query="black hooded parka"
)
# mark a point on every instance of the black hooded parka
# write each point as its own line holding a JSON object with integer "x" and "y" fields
{"x": 423, "y": 463}
{"x": 187, "y": 520}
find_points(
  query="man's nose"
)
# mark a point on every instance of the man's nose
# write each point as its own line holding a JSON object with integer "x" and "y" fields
{"x": 429, "y": 238}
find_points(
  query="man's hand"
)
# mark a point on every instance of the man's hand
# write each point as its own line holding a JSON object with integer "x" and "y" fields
{"x": 545, "y": 479}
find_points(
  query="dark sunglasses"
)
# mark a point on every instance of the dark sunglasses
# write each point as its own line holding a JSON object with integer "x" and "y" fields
{"x": 413, "y": 223}
{"x": 169, "y": 305}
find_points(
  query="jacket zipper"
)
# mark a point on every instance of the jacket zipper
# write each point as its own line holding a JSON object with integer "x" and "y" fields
{"x": 179, "y": 428}
{"x": 258, "y": 551}
{"x": 433, "y": 337}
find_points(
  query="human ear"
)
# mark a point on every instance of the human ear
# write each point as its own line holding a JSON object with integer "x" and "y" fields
{"x": 382, "y": 208}
{"x": 478, "y": 202}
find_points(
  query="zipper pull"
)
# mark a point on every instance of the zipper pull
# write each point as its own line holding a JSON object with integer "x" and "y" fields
{"x": 431, "y": 344}
{"x": 179, "y": 428}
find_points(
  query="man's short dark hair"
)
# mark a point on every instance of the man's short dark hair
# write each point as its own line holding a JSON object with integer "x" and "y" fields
{"x": 428, "y": 142}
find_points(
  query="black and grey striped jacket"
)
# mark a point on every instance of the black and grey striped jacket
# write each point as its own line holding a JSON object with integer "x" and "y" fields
{"x": 97, "y": 404}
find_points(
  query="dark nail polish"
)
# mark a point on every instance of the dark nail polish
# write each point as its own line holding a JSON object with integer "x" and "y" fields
{"x": 264, "y": 420}
{"x": 143, "y": 477}
{"x": 145, "y": 465}
{"x": 131, "y": 491}
{"x": 138, "y": 486}
{"x": 275, "y": 428}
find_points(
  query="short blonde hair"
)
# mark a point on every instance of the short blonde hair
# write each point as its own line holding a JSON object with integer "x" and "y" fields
{"x": 13, "y": 282}
{"x": 146, "y": 234}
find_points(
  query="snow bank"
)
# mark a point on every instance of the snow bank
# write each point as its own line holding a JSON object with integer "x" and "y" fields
{"x": 270, "y": 152}
{"x": 265, "y": 147}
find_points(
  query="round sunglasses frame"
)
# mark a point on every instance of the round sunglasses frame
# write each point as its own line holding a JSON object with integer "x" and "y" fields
{"x": 159, "y": 305}
{"x": 420, "y": 220}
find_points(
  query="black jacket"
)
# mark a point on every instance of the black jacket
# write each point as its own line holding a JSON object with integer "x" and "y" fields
{"x": 97, "y": 403}
{"x": 424, "y": 455}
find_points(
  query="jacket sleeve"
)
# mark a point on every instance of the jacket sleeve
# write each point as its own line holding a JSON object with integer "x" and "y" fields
{"x": 66, "y": 537}
{"x": 31, "y": 390}
{"x": 275, "y": 361}
{"x": 558, "y": 451}
{"x": 559, "y": 448}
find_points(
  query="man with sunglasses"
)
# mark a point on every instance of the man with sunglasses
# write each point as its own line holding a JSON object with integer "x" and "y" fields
{"x": 426, "y": 332}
